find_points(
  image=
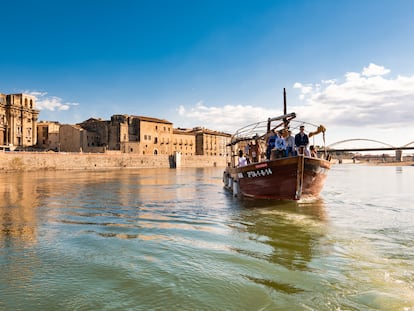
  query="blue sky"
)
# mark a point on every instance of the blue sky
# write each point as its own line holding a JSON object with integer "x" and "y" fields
{"x": 348, "y": 64}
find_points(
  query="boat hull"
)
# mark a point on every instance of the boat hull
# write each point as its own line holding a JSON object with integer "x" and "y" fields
{"x": 291, "y": 178}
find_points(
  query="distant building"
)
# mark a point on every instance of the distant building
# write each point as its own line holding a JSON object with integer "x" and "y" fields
{"x": 210, "y": 142}
{"x": 147, "y": 135}
{"x": 18, "y": 118}
{"x": 124, "y": 133}
{"x": 72, "y": 138}
{"x": 97, "y": 132}
{"x": 183, "y": 141}
{"x": 48, "y": 135}
{"x": 141, "y": 135}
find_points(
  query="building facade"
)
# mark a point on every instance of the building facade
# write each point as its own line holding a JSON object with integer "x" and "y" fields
{"x": 210, "y": 142}
{"x": 48, "y": 135}
{"x": 125, "y": 133}
{"x": 18, "y": 118}
{"x": 183, "y": 141}
{"x": 148, "y": 136}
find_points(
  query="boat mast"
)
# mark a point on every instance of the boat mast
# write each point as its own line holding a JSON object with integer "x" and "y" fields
{"x": 284, "y": 101}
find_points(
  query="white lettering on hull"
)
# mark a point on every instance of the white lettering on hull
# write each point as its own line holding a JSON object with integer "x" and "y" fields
{"x": 259, "y": 173}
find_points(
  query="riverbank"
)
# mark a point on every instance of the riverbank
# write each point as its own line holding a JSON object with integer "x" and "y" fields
{"x": 32, "y": 161}
{"x": 373, "y": 163}
{"x": 401, "y": 163}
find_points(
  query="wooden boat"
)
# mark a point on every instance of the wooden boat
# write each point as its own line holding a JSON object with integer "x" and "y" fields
{"x": 295, "y": 177}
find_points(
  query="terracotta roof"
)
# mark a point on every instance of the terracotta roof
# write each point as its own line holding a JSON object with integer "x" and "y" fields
{"x": 207, "y": 131}
{"x": 150, "y": 119}
{"x": 183, "y": 131}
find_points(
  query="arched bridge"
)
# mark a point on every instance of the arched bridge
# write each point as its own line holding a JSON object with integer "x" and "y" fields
{"x": 381, "y": 146}
{"x": 363, "y": 144}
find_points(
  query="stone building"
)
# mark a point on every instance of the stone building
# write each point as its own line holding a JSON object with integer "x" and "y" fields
{"x": 143, "y": 135}
{"x": 72, "y": 138}
{"x": 210, "y": 142}
{"x": 183, "y": 141}
{"x": 18, "y": 118}
{"x": 128, "y": 134}
{"x": 98, "y": 133}
{"x": 3, "y": 120}
{"x": 48, "y": 135}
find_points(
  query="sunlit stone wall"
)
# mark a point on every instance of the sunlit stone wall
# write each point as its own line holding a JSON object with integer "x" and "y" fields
{"x": 27, "y": 161}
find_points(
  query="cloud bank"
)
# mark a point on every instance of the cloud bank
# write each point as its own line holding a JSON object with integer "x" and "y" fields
{"x": 226, "y": 118}
{"x": 368, "y": 99}
{"x": 51, "y": 103}
{"x": 360, "y": 99}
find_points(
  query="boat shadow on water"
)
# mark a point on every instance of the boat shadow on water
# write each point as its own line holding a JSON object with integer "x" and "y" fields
{"x": 294, "y": 221}
{"x": 288, "y": 235}
{"x": 312, "y": 208}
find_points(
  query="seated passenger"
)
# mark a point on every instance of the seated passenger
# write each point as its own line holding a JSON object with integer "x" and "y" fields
{"x": 242, "y": 159}
{"x": 280, "y": 146}
{"x": 255, "y": 152}
{"x": 271, "y": 144}
{"x": 313, "y": 151}
{"x": 290, "y": 145}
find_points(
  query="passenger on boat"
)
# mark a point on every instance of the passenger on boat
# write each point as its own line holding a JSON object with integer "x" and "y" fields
{"x": 290, "y": 144}
{"x": 246, "y": 149}
{"x": 313, "y": 151}
{"x": 271, "y": 144}
{"x": 254, "y": 152}
{"x": 280, "y": 145}
{"x": 302, "y": 141}
{"x": 242, "y": 159}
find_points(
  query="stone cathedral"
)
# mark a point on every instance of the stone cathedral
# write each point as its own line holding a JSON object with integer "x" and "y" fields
{"x": 18, "y": 119}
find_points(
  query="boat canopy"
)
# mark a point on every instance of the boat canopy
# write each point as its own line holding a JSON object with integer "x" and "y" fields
{"x": 260, "y": 129}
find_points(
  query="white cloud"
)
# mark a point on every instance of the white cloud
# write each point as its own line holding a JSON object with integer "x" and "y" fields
{"x": 226, "y": 118}
{"x": 362, "y": 99}
{"x": 51, "y": 103}
{"x": 365, "y": 103}
{"x": 375, "y": 70}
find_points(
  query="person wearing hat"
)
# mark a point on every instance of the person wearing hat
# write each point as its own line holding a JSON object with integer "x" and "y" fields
{"x": 302, "y": 141}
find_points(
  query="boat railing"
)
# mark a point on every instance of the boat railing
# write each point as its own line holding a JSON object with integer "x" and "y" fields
{"x": 259, "y": 132}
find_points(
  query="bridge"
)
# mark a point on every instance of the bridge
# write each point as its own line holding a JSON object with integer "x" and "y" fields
{"x": 377, "y": 146}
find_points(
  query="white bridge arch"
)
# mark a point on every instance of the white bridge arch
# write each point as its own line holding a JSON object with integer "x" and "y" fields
{"x": 364, "y": 140}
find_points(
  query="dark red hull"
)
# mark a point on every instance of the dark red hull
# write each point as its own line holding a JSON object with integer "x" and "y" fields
{"x": 291, "y": 178}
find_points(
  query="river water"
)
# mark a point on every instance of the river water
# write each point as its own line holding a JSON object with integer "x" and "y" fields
{"x": 164, "y": 239}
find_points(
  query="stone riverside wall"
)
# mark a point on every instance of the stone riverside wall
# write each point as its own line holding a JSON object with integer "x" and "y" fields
{"x": 31, "y": 161}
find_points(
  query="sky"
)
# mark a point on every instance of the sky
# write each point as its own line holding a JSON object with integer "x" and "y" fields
{"x": 346, "y": 64}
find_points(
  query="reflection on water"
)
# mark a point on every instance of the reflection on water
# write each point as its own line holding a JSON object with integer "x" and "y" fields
{"x": 157, "y": 239}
